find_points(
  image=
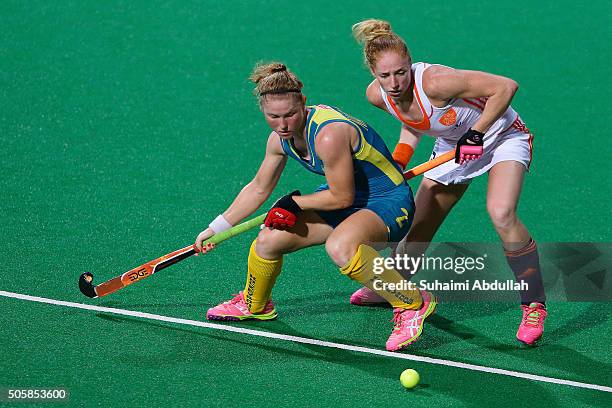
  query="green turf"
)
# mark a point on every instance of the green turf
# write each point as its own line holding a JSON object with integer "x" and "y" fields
{"x": 127, "y": 126}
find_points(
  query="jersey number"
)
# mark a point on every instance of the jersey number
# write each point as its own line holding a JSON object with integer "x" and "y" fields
{"x": 400, "y": 220}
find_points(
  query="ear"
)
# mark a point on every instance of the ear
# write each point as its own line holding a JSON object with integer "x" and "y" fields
{"x": 304, "y": 99}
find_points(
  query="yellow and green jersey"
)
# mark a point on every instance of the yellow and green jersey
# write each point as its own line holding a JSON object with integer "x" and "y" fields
{"x": 375, "y": 170}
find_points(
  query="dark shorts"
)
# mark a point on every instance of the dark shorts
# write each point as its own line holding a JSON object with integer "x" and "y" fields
{"x": 394, "y": 207}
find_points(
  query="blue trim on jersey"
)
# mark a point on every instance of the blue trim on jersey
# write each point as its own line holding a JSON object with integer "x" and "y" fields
{"x": 379, "y": 184}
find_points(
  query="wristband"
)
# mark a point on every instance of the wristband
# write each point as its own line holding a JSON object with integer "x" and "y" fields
{"x": 402, "y": 154}
{"x": 219, "y": 224}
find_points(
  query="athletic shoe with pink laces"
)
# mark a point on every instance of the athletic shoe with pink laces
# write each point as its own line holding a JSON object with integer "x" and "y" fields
{"x": 532, "y": 325}
{"x": 409, "y": 323}
{"x": 366, "y": 297}
{"x": 236, "y": 309}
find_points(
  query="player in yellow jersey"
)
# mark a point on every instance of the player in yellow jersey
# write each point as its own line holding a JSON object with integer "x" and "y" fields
{"x": 364, "y": 200}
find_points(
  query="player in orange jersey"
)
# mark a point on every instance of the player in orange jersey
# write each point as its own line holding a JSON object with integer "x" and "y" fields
{"x": 469, "y": 110}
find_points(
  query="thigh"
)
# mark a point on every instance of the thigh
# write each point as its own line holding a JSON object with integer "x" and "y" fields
{"x": 309, "y": 230}
{"x": 433, "y": 202}
{"x": 505, "y": 184}
{"x": 362, "y": 227}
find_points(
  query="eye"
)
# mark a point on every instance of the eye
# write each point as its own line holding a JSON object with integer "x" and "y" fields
{"x": 384, "y": 75}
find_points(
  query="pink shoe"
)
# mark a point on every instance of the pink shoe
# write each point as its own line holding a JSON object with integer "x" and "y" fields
{"x": 236, "y": 309}
{"x": 532, "y": 326}
{"x": 409, "y": 323}
{"x": 365, "y": 297}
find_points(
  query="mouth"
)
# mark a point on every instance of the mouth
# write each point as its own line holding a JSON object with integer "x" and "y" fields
{"x": 395, "y": 93}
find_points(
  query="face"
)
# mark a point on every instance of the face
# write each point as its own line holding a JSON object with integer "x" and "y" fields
{"x": 393, "y": 73}
{"x": 285, "y": 115}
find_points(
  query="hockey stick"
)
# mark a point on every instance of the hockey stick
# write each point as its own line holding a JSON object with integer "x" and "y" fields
{"x": 147, "y": 269}
{"x": 428, "y": 165}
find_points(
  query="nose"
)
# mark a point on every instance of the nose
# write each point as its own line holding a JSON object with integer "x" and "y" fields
{"x": 394, "y": 82}
{"x": 284, "y": 124}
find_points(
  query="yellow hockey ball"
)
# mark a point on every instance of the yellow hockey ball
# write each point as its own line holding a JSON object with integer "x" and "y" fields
{"x": 409, "y": 378}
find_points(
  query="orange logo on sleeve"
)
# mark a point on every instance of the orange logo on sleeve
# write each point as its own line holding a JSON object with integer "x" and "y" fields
{"x": 449, "y": 118}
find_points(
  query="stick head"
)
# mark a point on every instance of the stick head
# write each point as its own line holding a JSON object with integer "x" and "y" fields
{"x": 86, "y": 285}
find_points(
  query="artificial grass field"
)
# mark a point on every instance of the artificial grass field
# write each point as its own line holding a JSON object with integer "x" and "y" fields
{"x": 127, "y": 126}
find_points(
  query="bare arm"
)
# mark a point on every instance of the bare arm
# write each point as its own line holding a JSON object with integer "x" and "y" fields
{"x": 254, "y": 194}
{"x": 334, "y": 146}
{"x": 374, "y": 95}
{"x": 409, "y": 137}
{"x": 444, "y": 83}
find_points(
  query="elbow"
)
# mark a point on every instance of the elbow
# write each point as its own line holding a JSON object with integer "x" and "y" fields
{"x": 511, "y": 86}
{"x": 258, "y": 190}
{"x": 344, "y": 201}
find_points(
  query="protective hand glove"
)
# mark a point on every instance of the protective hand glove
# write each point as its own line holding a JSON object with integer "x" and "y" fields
{"x": 469, "y": 147}
{"x": 283, "y": 213}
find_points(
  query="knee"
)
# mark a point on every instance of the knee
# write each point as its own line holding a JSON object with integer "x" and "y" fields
{"x": 271, "y": 243}
{"x": 502, "y": 215}
{"x": 340, "y": 251}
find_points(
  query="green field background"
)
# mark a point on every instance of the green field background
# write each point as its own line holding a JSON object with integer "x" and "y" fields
{"x": 126, "y": 126}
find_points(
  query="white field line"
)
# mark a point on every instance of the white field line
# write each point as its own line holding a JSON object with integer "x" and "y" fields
{"x": 305, "y": 340}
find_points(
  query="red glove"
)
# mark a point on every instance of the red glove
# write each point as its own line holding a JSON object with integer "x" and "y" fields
{"x": 283, "y": 213}
{"x": 469, "y": 147}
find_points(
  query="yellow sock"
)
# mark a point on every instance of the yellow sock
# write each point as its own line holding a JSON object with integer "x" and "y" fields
{"x": 361, "y": 269}
{"x": 261, "y": 276}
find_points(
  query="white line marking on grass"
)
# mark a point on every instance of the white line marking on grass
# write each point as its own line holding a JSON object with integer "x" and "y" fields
{"x": 305, "y": 340}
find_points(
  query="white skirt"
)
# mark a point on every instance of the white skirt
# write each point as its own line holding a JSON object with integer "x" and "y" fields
{"x": 509, "y": 146}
